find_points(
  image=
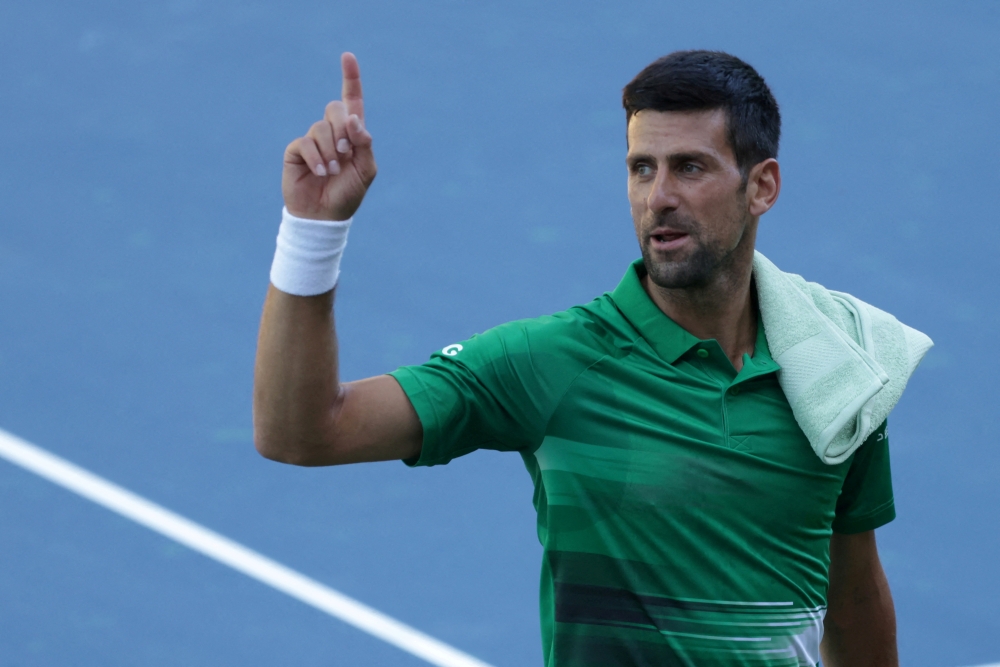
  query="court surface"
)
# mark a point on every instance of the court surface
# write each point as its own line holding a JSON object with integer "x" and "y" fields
{"x": 141, "y": 148}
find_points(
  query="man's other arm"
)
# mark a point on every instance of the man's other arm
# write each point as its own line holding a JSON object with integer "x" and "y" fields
{"x": 860, "y": 619}
{"x": 302, "y": 414}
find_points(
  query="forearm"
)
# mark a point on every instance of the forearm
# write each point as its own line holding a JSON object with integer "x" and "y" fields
{"x": 296, "y": 381}
{"x": 868, "y": 640}
{"x": 860, "y": 626}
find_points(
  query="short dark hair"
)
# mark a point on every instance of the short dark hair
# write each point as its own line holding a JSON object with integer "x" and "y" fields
{"x": 706, "y": 80}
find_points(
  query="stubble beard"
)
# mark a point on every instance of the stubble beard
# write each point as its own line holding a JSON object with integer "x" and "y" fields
{"x": 698, "y": 268}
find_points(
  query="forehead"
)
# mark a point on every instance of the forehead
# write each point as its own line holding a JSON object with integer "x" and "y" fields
{"x": 661, "y": 133}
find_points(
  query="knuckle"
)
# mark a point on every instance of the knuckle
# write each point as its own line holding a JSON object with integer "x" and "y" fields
{"x": 308, "y": 149}
{"x": 335, "y": 107}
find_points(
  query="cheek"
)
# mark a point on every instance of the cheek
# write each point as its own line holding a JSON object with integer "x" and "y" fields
{"x": 724, "y": 211}
{"x": 636, "y": 200}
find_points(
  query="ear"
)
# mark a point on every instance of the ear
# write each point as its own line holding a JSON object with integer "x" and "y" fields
{"x": 763, "y": 186}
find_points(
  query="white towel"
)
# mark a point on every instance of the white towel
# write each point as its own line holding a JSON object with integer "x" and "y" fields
{"x": 844, "y": 363}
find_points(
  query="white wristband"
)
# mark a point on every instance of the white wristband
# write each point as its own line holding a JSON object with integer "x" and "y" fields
{"x": 307, "y": 257}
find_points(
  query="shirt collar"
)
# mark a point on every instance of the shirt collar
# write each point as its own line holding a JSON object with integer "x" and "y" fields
{"x": 666, "y": 337}
{"x": 762, "y": 361}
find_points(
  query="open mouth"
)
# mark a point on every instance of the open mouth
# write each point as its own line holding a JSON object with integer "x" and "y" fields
{"x": 667, "y": 240}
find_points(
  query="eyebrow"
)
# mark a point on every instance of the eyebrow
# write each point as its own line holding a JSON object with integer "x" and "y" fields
{"x": 691, "y": 156}
{"x": 674, "y": 158}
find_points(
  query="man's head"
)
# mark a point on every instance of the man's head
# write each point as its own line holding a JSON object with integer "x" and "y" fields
{"x": 703, "y": 132}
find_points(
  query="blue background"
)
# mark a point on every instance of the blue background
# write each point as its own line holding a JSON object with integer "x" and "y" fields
{"x": 139, "y": 187}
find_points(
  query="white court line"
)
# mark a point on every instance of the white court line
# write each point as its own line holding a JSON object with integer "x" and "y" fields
{"x": 233, "y": 554}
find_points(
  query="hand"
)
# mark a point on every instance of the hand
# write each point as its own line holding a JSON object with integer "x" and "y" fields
{"x": 328, "y": 171}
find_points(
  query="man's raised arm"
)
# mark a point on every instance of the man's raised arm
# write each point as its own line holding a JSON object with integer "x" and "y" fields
{"x": 302, "y": 413}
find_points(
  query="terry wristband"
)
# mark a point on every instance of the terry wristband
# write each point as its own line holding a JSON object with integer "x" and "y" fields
{"x": 307, "y": 257}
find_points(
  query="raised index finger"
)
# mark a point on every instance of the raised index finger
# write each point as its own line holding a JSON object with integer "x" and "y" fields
{"x": 351, "y": 93}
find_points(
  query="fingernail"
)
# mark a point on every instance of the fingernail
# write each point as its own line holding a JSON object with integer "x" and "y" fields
{"x": 320, "y": 170}
{"x": 334, "y": 167}
{"x": 356, "y": 122}
{"x": 343, "y": 145}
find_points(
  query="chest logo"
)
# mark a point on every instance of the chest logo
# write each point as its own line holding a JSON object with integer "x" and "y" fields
{"x": 452, "y": 350}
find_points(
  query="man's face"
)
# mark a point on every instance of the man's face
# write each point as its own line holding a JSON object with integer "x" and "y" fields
{"x": 688, "y": 199}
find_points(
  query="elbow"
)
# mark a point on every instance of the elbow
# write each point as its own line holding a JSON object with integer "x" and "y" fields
{"x": 293, "y": 449}
{"x": 269, "y": 447}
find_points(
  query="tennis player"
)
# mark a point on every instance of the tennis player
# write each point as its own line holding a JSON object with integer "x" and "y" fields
{"x": 685, "y": 518}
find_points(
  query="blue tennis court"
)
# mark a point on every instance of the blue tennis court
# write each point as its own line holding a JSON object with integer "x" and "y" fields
{"x": 142, "y": 147}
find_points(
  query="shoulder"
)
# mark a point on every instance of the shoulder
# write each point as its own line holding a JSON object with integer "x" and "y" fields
{"x": 595, "y": 326}
{"x": 579, "y": 335}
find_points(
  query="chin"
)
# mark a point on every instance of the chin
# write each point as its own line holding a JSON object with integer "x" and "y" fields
{"x": 689, "y": 272}
{"x": 678, "y": 279}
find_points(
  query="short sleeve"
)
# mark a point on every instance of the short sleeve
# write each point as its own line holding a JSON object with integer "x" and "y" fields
{"x": 495, "y": 390}
{"x": 866, "y": 500}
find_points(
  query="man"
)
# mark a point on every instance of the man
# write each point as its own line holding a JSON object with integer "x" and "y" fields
{"x": 685, "y": 518}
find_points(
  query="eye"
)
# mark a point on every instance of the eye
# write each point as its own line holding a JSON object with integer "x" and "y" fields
{"x": 690, "y": 168}
{"x": 642, "y": 169}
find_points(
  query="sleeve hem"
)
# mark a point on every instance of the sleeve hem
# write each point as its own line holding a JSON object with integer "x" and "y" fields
{"x": 870, "y": 521}
{"x": 416, "y": 392}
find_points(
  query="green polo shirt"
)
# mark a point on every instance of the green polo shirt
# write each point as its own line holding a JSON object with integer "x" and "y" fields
{"x": 684, "y": 517}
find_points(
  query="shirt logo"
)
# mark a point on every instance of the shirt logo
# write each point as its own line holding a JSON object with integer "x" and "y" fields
{"x": 452, "y": 350}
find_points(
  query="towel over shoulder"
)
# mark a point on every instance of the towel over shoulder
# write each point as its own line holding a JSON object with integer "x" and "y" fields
{"x": 844, "y": 363}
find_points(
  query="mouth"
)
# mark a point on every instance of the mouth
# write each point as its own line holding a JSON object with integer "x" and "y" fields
{"x": 666, "y": 239}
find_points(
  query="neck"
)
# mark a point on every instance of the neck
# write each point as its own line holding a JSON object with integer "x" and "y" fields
{"x": 724, "y": 309}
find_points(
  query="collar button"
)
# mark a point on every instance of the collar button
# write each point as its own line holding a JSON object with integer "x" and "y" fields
{"x": 702, "y": 352}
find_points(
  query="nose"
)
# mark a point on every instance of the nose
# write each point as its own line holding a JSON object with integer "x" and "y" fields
{"x": 663, "y": 194}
